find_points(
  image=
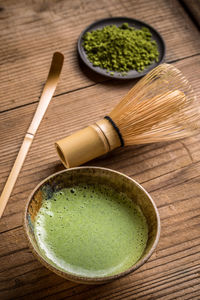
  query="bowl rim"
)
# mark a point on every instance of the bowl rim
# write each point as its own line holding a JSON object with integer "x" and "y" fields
{"x": 87, "y": 279}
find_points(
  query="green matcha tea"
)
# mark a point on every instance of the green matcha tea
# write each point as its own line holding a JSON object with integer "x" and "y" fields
{"x": 91, "y": 230}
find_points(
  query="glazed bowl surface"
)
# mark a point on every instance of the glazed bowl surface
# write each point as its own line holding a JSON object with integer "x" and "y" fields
{"x": 92, "y": 175}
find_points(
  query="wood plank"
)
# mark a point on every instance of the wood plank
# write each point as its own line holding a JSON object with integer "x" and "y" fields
{"x": 193, "y": 7}
{"x": 169, "y": 171}
{"x": 32, "y": 30}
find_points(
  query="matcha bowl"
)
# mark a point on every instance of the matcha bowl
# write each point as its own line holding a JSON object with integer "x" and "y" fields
{"x": 91, "y": 225}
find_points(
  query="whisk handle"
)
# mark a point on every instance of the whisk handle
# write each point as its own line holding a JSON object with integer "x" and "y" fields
{"x": 87, "y": 144}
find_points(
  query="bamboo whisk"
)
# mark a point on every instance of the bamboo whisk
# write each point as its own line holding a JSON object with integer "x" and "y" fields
{"x": 160, "y": 107}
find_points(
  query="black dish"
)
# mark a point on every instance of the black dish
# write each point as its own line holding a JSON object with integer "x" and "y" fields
{"x": 118, "y": 21}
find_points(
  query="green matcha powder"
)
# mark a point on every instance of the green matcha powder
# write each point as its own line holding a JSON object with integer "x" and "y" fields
{"x": 120, "y": 49}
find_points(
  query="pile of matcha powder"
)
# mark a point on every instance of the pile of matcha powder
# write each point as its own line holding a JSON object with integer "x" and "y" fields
{"x": 120, "y": 49}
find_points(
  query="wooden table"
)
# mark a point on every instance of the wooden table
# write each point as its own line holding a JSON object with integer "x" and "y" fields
{"x": 30, "y": 31}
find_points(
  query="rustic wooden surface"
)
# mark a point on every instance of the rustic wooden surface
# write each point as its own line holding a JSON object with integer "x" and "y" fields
{"x": 30, "y": 31}
{"x": 193, "y": 8}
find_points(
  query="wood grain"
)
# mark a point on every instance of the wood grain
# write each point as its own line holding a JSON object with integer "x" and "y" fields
{"x": 167, "y": 170}
{"x": 193, "y": 8}
{"x": 30, "y": 32}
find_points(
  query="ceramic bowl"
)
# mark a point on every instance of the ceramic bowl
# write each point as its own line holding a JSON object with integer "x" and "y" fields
{"x": 114, "y": 179}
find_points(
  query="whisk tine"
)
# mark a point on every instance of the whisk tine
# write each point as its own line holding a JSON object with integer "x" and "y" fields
{"x": 159, "y": 107}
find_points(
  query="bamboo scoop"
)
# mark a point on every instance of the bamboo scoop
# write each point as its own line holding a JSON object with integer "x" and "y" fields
{"x": 48, "y": 91}
{"x": 160, "y": 107}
